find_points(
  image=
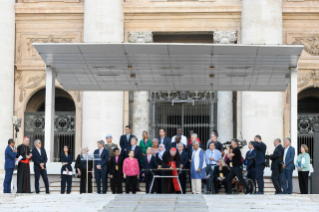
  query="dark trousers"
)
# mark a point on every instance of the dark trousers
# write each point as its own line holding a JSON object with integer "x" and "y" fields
{"x": 83, "y": 182}
{"x": 303, "y": 181}
{"x": 7, "y": 181}
{"x": 259, "y": 174}
{"x": 210, "y": 180}
{"x": 252, "y": 175}
{"x": 276, "y": 180}
{"x": 116, "y": 183}
{"x": 148, "y": 181}
{"x": 286, "y": 177}
{"x": 37, "y": 174}
{"x": 66, "y": 179}
{"x": 100, "y": 174}
{"x": 182, "y": 179}
{"x": 107, "y": 175}
{"x": 218, "y": 182}
{"x": 236, "y": 171}
{"x": 130, "y": 182}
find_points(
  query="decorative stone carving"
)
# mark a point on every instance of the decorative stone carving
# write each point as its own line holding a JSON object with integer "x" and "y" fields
{"x": 225, "y": 37}
{"x": 32, "y": 83}
{"x": 311, "y": 44}
{"x": 140, "y": 37}
{"x": 303, "y": 80}
{"x": 182, "y": 95}
{"x": 315, "y": 123}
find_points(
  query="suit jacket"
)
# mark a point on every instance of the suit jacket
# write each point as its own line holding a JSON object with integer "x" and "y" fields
{"x": 66, "y": 159}
{"x": 125, "y": 144}
{"x": 260, "y": 151}
{"x": 250, "y": 163}
{"x": 149, "y": 165}
{"x": 276, "y": 157}
{"x": 137, "y": 153}
{"x": 289, "y": 159}
{"x": 166, "y": 141}
{"x": 103, "y": 158}
{"x": 37, "y": 158}
{"x": 119, "y": 164}
{"x": 184, "y": 159}
{"x": 190, "y": 150}
{"x": 10, "y": 157}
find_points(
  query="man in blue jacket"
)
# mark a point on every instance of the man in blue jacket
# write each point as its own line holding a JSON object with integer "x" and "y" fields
{"x": 288, "y": 167}
{"x": 101, "y": 156}
{"x": 39, "y": 157}
{"x": 260, "y": 151}
{"x": 251, "y": 163}
{"x": 162, "y": 139}
{"x": 10, "y": 155}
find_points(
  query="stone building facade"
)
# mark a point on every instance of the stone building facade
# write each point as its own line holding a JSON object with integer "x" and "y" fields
{"x": 233, "y": 114}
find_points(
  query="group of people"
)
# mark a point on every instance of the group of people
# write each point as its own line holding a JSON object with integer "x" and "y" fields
{"x": 173, "y": 158}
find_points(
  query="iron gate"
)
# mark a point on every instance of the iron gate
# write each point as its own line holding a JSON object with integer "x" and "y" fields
{"x": 64, "y": 131}
{"x": 306, "y": 132}
{"x": 188, "y": 110}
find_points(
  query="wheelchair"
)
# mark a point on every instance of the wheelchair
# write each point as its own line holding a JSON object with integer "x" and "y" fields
{"x": 240, "y": 188}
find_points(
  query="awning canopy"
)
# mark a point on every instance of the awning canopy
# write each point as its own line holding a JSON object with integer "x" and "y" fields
{"x": 170, "y": 66}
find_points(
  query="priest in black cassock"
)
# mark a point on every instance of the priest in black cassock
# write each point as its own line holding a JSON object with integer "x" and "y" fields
{"x": 171, "y": 159}
{"x": 23, "y": 173}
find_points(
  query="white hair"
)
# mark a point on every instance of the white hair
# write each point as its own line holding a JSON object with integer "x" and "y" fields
{"x": 194, "y": 134}
{"x": 36, "y": 142}
{"x": 180, "y": 144}
{"x": 196, "y": 143}
{"x": 84, "y": 147}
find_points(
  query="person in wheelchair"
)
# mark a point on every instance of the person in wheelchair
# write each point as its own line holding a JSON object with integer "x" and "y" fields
{"x": 220, "y": 175}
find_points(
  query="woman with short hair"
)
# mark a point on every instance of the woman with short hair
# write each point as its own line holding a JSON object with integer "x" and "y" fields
{"x": 66, "y": 170}
{"x": 131, "y": 172}
{"x": 82, "y": 167}
{"x": 303, "y": 166}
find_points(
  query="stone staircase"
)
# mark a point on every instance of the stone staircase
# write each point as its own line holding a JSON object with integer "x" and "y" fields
{"x": 55, "y": 187}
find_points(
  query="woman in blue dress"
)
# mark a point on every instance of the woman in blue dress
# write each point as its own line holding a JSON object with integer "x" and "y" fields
{"x": 198, "y": 166}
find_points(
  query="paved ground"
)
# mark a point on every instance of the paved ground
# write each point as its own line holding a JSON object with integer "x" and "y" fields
{"x": 159, "y": 203}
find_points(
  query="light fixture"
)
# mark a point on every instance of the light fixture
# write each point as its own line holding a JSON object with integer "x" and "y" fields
{"x": 133, "y": 76}
{"x": 292, "y": 68}
{"x": 287, "y": 76}
{"x": 129, "y": 67}
{"x": 212, "y": 67}
{"x": 212, "y": 76}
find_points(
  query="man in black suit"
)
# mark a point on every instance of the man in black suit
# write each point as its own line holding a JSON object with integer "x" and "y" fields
{"x": 162, "y": 139}
{"x": 149, "y": 163}
{"x": 125, "y": 141}
{"x": 39, "y": 157}
{"x": 260, "y": 151}
{"x": 276, "y": 165}
{"x": 116, "y": 171}
{"x": 183, "y": 165}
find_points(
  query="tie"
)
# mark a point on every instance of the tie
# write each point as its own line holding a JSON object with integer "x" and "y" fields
{"x": 100, "y": 152}
{"x": 127, "y": 138}
{"x": 148, "y": 158}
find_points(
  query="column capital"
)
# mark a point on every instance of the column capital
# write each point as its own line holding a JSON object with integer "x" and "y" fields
{"x": 140, "y": 37}
{"x": 225, "y": 37}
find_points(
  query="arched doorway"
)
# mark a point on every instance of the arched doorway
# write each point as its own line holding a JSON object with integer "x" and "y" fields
{"x": 64, "y": 123}
{"x": 308, "y": 107}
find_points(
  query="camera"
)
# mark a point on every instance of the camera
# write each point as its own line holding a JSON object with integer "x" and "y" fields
{"x": 241, "y": 144}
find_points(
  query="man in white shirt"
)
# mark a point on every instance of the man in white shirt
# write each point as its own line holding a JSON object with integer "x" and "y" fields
{"x": 183, "y": 137}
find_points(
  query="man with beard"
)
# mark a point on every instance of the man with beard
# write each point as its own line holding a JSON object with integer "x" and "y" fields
{"x": 23, "y": 173}
{"x": 170, "y": 160}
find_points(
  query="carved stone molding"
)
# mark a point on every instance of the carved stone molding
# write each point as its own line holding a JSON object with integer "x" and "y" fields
{"x": 140, "y": 37}
{"x": 32, "y": 83}
{"x": 311, "y": 44}
{"x": 182, "y": 95}
{"x": 303, "y": 80}
{"x": 225, "y": 37}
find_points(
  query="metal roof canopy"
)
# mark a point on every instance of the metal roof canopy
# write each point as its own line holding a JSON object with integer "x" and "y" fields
{"x": 170, "y": 66}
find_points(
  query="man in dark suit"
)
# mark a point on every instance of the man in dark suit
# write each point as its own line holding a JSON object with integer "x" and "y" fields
{"x": 250, "y": 164}
{"x": 125, "y": 141}
{"x": 276, "y": 165}
{"x": 260, "y": 151}
{"x": 288, "y": 167}
{"x": 176, "y": 143}
{"x": 116, "y": 172}
{"x": 39, "y": 157}
{"x": 10, "y": 155}
{"x": 101, "y": 156}
{"x": 149, "y": 163}
{"x": 137, "y": 154}
{"x": 183, "y": 165}
{"x": 162, "y": 139}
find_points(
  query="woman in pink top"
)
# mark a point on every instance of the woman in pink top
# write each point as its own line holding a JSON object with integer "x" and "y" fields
{"x": 131, "y": 172}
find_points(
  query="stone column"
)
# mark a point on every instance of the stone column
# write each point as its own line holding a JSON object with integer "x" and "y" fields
{"x": 294, "y": 110}
{"x": 49, "y": 113}
{"x": 102, "y": 111}
{"x": 262, "y": 112}
{"x": 225, "y": 115}
{"x": 141, "y": 114}
{"x": 7, "y": 37}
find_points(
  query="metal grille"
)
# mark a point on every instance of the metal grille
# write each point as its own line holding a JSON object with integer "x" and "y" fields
{"x": 64, "y": 131}
{"x": 306, "y": 132}
{"x": 188, "y": 110}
